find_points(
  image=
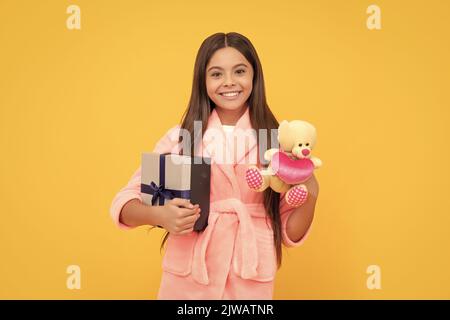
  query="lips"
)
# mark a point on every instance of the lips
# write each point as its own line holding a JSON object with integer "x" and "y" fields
{"x": 230, "y": 94}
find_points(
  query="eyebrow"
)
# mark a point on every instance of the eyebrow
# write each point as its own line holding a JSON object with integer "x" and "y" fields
{"x": 238, "y": 65}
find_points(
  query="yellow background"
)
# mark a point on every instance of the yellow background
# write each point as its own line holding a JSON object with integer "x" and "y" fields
{"x": 79, "y": 106}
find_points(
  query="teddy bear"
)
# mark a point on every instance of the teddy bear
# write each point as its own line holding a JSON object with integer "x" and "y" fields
{"x": 290, "y": 165}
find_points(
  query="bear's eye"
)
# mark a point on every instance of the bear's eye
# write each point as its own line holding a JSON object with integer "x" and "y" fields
{"x": 307, "y": 144}
{"x": 300, "y": 144}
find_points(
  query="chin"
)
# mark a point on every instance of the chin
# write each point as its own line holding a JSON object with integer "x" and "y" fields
{"x": 231, "y": 105}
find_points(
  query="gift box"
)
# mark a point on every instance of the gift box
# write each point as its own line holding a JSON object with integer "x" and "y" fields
{"x": 167, "y": 176}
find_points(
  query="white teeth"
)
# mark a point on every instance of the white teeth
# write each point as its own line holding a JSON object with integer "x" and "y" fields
{"x": 230, "y": 94}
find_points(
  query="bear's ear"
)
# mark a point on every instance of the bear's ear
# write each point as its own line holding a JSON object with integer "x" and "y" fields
{"x": 284, "y": 125}
{"x": 285, "y": 137}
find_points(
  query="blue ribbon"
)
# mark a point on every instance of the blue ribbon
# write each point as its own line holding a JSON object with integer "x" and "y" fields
{"x": 159, "y": 192}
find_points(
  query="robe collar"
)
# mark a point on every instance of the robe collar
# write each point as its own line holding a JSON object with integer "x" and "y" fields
{"x": 239, "y": 156}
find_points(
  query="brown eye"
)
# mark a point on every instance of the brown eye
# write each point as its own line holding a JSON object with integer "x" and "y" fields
{"x": 307, "y": 144}
{"x": 300, "y": 144}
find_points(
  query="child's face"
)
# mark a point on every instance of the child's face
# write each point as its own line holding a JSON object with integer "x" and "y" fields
{"x": 229, "y": 78}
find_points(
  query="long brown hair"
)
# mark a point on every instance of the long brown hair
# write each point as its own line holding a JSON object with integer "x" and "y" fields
{"x": 200, "y": 107}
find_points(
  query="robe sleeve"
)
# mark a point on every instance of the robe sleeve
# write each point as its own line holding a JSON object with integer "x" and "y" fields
{"x": 285, "y": 212}
{"x": 132, "y": 190}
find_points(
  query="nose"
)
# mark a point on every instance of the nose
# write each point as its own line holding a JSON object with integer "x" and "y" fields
{"x": 229, "y": 81}
{"x": 305, "y": 152}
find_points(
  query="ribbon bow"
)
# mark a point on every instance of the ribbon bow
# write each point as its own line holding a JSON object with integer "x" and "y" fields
{"x": 160, "y": 192}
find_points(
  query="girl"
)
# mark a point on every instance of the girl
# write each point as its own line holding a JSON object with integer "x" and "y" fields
{"x": 238, "y": 254}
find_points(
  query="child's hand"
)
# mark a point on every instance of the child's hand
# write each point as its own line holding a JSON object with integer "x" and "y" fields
{"x": 180, "y": 216}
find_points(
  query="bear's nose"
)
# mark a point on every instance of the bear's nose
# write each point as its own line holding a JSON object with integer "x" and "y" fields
{"x": 305, "y": 152}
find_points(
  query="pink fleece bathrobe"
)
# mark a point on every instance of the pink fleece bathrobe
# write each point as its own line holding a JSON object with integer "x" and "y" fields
{"x": 234, "y": 257}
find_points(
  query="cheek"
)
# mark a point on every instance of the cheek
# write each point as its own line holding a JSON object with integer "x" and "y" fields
{"x": 247, "y": 84}
{"x": 248, "y": 88}
{"x": 211, "y": 87}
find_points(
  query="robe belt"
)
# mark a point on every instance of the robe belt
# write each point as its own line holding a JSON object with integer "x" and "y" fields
{"x": 245, "y": 239}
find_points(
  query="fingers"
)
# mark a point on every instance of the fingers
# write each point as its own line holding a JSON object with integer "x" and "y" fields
{"x": 187, "y": 224}
{"x": 190, "y": 220}
{"x": 188, "y": 227}
{"x": 184, "y": 203}
{"x": 186, "y": 212}
{"x": 186, "y": 215}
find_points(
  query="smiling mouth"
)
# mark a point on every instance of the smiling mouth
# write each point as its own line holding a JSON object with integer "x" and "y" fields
{"x": 231, "y": 94}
